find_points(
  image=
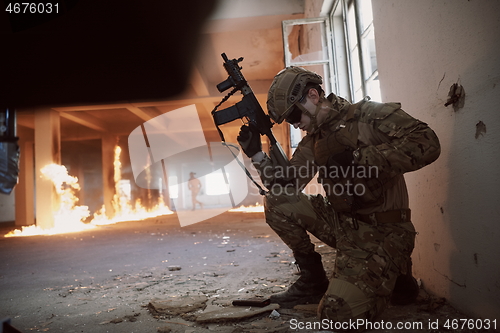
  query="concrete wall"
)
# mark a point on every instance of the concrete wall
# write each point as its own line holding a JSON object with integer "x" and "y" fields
{"x": 83, "y": 160}
{"x": 7, "y": 205}
{"x": 423, "y": 47}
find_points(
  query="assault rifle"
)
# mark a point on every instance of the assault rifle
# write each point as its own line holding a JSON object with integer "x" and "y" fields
{"x": 247, "y": 109}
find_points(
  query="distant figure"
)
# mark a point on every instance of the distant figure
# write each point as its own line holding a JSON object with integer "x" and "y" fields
{"x": 194, "y": 185}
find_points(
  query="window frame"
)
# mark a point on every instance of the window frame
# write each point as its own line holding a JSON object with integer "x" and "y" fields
{"x": 328, "y": 38}
{"x": 331, "y": 81}
{"x": 343, "y": 73}
{"x": 362, "y": 58}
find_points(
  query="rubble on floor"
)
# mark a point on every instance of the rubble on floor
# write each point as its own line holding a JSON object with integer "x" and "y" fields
{"x": 184, "y": 281}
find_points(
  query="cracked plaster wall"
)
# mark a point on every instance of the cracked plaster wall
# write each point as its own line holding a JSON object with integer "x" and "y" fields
{"x": 423, "y": 47}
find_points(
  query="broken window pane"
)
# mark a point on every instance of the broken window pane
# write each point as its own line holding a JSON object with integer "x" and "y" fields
{"x": 306, "y": 42}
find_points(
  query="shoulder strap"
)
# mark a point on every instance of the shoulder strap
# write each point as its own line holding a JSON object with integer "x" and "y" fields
{"x": 348, "y": 134}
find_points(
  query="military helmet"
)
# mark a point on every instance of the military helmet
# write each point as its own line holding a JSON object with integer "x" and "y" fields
{"x": 287, "y": 89}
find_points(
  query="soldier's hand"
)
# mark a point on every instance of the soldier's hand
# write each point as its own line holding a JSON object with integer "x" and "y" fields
{"x": 249, "y": 140}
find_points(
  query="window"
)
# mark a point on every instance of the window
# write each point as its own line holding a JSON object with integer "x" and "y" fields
{"x": 173, "y": 189}
{"x": 307, "y": 44}
{"x": 340, "y": 48}
{"x": 360, "y": 49}
{"x": 216, "y": 183}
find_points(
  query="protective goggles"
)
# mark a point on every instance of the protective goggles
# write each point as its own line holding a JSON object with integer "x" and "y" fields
{"x": 294, "y": 116}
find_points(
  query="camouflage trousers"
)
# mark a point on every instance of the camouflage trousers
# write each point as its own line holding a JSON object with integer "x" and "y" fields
{"x": 369, "y": 258}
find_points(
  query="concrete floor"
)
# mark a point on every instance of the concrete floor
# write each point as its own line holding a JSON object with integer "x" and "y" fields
{"x": 102, "y": 280}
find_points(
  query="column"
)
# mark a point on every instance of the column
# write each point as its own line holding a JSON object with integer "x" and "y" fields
{"x": 108, "y": 143}
{"x": 25, "y": 200}
{"x": 47, "y": 151}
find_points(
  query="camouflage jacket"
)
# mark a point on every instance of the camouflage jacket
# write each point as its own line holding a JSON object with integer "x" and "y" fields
{"x": 389, "y": 142}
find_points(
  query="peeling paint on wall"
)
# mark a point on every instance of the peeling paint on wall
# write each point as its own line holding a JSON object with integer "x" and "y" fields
{"x": 456, "y": 96}
{"x": 480, "y": 129}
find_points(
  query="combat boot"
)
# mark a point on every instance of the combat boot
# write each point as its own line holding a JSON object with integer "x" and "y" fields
{"x": 405, "y": 291}
{"x": 309, "y": 287}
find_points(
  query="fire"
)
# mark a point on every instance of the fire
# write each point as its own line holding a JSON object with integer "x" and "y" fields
{"x": 70, "y": 216}
{"x": 249, "y": 209}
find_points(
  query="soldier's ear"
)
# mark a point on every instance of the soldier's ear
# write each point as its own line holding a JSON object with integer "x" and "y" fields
{"x": 313, "y": 94}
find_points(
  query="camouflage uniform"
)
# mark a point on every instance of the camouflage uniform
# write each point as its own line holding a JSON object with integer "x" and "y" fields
{"x": 374, "y": 238}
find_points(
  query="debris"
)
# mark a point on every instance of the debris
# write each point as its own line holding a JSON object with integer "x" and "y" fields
{"x": 254, "y": 301}
{"x": 141, "y": 286}
{"x": 207, "y": 271}
{"x": 131, "y": 318}
{"x": 274, "y": 315}
{"x": 174, "y": 268}
{"x": 233, "y": 313}
{"x": 176, "y": 323}
{"x": 434, "y": 304}
{"x": 174, "y": 306}
{"x": 307, "y": 308}
{"x": 264, "y": 325}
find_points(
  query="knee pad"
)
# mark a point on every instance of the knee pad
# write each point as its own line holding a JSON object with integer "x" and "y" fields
{"x": 343, "y": 301}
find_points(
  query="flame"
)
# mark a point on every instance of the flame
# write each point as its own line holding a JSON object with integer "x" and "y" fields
{"x": 249, "y": 209}
{"x": 70, "y": 217}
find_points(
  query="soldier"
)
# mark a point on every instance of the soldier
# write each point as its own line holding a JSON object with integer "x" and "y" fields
{"x": 194, "y": 185}
{"x": 360, "y": 152}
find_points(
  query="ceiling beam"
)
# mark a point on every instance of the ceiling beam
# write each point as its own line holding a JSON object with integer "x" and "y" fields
{"x": 259, "y": 88}
{"x": 199, "y": 100}
{"x": 90, "y": 107}
{"x": 86, "y": 120}
{"x": 139, "y": 112}
{"x": 136, "y": 106}
{"x": 198, "y": 83}
{"x": 26, "y": 121}
{"x": 209, "y": 106}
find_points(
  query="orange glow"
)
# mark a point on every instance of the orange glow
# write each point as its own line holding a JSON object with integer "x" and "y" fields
{"x": 70, "y": 217}
{"x": 249, "y": 209}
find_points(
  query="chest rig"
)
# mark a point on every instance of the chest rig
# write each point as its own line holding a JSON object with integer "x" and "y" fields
{"x": 348, "y": 187}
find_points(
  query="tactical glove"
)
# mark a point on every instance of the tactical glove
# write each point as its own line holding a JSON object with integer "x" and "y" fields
{"x": 249, "y": 140}
{"x": 343, "y": 159}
